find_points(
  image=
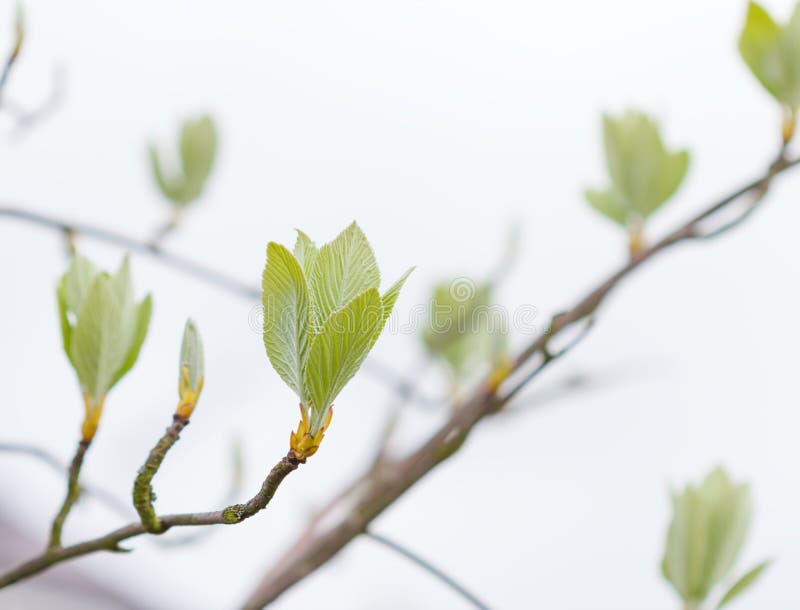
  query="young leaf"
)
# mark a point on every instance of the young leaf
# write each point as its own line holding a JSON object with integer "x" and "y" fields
{"x": 192, "y": 356}
{"x": 643, "y": 173}
{"x": 343, "y": 269}
{"x": 772, "y": 53}
{"x": 197, "y": 150}
{"x": 305, "y": 251}
{"x": 98, "y": 351}
{"x": 743, "y": 584}
{"x": 102, "y": 326}
{"x": 286, "y": 316}
{"x": 389, "y": 297}
{"x": 141, "y": 316}
{"x": 198, "y": 147}
{"x": 339, "y": 349}
{"x": 708, "y": 529}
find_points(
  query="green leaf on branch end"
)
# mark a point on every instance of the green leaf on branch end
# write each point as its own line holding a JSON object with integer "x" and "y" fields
{"x": 322, "y": 315}
{"x": 643, "y": 173}
{"x": 772, "y": 52}
{"x": 102, "y": 326}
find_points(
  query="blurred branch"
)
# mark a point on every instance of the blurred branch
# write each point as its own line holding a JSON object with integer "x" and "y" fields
{"x": 379, "y": 487}
{"x": 428, "y": 567}
{"x": 24, "y": 118}
{"x": 50, "y": 460}
{"x": 401, "y": 385}
{"x": 179, "y": 263}
{"x": 19, "y": 38}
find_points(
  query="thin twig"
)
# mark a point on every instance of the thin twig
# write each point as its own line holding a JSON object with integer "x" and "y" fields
{"x": 143, "y": 495}
{"x": 73, "y": 492}
{"x": 180, "y": 263}
{"x": 428, "y": 567}
{"x": 382, "y": 487}
{"x": 110, "y": 542}
{"x": 27, "y": 117}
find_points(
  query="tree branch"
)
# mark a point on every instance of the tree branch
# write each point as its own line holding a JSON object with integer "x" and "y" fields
{"x": 73, "y": 492}
{"x": 143, "y": 496}
{"x": 400, "y": 385}
{"x": 381, "y": 486}
{"x": 110, "y": 542}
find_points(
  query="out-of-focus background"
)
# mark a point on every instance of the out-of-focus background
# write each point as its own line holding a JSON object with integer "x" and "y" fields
{"x": 435, "y": 124}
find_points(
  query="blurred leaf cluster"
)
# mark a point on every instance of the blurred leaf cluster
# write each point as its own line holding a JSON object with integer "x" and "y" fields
{"x": 708, "y": 529}
{"x": 197, "y": 147}
{"x": 464, "y": 330}
{"x": 644, "y": 174}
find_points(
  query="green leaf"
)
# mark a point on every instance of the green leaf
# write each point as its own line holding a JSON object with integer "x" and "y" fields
{"x": 198, "y": 146}
{"x": 464, "y": 330}
{"x": 102, "y": 327}
{"x": 772, "y": 52}
{"x": 389, "y": 297}
{"x": 197, "y": 150}
{"x": 286, "y": 316}
{"x": 305, "y": 251}
{"x": 339, "y": 349}
{"x": 608, "y": 203}
{"x": 71, "y": 292}
{"x": 77, "y": 281}
{"x": 743, "y": 583}
{"x": 192, "y": 356}
{"x": 643, "y": 173}
{"x": 344, "y": 269}
{"x": 97, "y": 349}
{"x": 63, "y": 315}
{"x": 170, "y": 186}
{"x": 705, "y": 537}
{"x": 142, "y": 323}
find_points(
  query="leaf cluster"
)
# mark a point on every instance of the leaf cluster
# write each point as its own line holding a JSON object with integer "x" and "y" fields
{"x": 322, "y": 314}
{"x": 708, "y": 529}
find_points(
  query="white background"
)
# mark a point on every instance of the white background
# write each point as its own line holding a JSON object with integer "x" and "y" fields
{"x": 435, "y": 124}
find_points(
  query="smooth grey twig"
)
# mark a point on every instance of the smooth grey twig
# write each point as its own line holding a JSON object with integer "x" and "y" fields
{"x": 428, "y": 567}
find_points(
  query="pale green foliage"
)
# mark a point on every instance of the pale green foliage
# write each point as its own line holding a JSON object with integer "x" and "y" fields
{"x": 643, "y": 173}
{"x": 708, "y": 528}
{"x": 772, "y": 52}
{"x": 192, "y": 355}
{"x": 463, "y": 329}
{"x": 197, "y": 148}
{"x": 743, "y": 584}
{"x": 102, "y": 326}
{"x": 337, "y": 351}
{"x": 322, "y": 314}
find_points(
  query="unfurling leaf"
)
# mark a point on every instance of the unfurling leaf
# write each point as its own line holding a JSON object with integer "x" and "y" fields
{"x": 322, "y": 315}
{"x": 708, "y": 528}
{"x": 102, "y": 327}
{"x": 197, "y": 149}
{"x": 191, "y": 369}
{"x": 643, "y": 173}
{"x": 772, "y": 52}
